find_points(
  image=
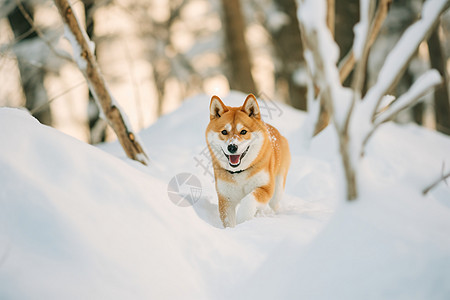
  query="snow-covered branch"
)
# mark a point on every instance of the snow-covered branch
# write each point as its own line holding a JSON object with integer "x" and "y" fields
{"x": 355, "y": 121}
{"x": 394, "y": 66}
{"x": 361, "y": 46}
{"x": 348, "y": 62}
{"x": 420, "y": 87}
{"x": 397, "y": 60}
{"x": 362, "y": 29}
{"x": 416, "y": 92}
{"x": 83, "y": 52}
{"x": 321, "y": 54}
{"x": 59, "y": 53}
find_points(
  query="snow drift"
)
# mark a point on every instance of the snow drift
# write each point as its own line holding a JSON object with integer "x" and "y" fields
{"x": 79, "y": 222}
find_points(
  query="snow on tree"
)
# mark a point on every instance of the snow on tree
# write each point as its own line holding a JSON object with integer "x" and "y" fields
{"x": 356, "y": 119}
{"x": 83, "y": 53}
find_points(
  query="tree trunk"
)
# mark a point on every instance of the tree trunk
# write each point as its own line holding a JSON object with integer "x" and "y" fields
{"x": 240, "y": 77}
{"x": 441, "y": 94}
{"x": 289, "y": 49}
{"x": 32, "y": 76}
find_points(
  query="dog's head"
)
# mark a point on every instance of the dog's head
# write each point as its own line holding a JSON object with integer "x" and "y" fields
{"x": 235, "y": 135}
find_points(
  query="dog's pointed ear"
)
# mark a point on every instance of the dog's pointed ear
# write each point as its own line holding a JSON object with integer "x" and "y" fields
{"x": 251, "y": 107}
{"x": 216, "y": 108}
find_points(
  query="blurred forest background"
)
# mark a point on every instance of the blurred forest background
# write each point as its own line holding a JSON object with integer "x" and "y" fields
{"x": 155, "y": 53}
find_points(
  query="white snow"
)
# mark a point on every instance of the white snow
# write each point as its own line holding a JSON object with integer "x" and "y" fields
{"x": 386, "y": 101}
{"x": 79, "y": 222}
{"x": 361, "y": 29}
{"x": 76, "y": 48}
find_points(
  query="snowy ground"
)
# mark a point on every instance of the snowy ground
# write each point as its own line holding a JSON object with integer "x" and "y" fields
{"x": 80, "y": 222}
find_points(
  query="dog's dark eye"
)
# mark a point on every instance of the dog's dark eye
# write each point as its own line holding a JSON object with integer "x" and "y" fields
{"x": 243, "y": 132}
{"x": 224, "y": 132}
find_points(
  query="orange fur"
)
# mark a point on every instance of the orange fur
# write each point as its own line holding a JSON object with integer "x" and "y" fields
{"x": 248, "y": 177}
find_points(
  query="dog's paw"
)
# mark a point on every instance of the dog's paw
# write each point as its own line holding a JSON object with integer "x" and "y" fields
{"x": 246, "y": 209}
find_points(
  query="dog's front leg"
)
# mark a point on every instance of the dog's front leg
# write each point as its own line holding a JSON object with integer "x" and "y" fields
{"x": 252, "y": 202}
{"x": 227, "y": 211}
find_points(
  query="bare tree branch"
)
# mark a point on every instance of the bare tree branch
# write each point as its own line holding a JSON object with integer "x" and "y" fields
{"x": 58, "y": 53}
{"x": 331, "y": 14}
{"x": 348, "y": 62}
{"x": 49, "y": 101}
{"x": 83, "y": 54}
{"x": 436, "y": 182}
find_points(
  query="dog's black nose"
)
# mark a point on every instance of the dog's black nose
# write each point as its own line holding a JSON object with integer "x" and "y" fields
{"x": 232, "y": 148}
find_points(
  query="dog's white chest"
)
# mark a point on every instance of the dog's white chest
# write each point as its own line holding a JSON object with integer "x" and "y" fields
{"x": 242, "y": 185}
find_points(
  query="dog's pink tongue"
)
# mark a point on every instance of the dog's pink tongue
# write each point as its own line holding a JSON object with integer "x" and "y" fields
{"x": 234, "y": 159}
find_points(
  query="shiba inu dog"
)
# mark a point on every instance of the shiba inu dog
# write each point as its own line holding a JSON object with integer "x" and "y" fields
{"x": 250, "y": 160}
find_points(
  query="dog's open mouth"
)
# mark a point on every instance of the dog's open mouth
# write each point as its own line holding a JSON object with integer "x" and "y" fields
{"x": 235, "y": 159}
